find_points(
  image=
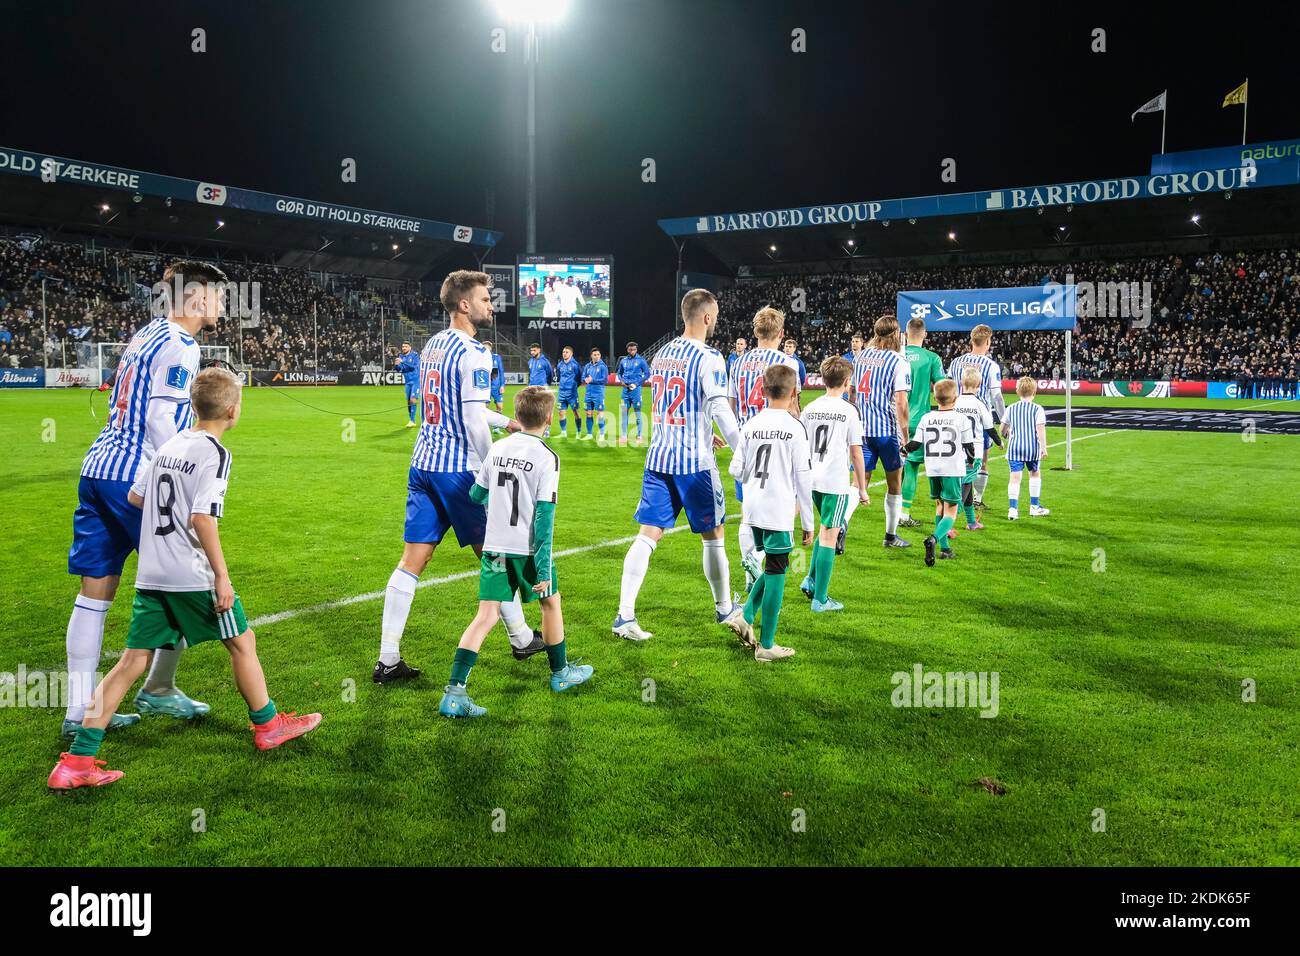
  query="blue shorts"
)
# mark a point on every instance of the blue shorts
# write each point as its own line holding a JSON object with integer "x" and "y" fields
{"x": 105, "y": 528}
{"x": 632, "y": 398}
{"x": 438, "y": 500}
{"x": 498, "y": 394}
{"x": 1031, "y": 464}
{"x": 884, "y": 450}
{"x": 569, "y": 401}
{"x": 740, "y": 492}
{"x": 664, "y": 496}
{"x": 596, "y": 402}
{"x": 412, "y": 392}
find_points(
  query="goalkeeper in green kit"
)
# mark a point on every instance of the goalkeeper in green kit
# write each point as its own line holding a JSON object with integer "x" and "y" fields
{"x": 927, "y": 369}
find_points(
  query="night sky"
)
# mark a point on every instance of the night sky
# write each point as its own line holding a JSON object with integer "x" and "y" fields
{"x": 709, "y": 89}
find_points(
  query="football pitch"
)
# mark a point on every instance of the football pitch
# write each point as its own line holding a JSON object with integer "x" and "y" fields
{"x": 1143, "y": 637}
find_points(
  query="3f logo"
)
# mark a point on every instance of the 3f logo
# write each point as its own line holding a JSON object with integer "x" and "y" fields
{"x": 920, "y": 310}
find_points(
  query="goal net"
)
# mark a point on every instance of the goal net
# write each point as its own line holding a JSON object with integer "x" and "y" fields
{"x": 108, "y": 354}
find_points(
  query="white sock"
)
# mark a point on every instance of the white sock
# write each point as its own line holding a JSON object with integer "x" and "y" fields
{"x": 635, "y": 566}
{"x": 397, "y": 605}
{"x": 893, "y": 509}
{"x": 517, "y": 629}
{"x": 1035, "y": 487}
{"x": 85, "y": 640}
{"x": 162, "y": 673}
{"x": 981, "y": 482}
{"x": 746, "y": 536}
{"x": 854, "y": 501}
{"x": 718, "y": 572}
{"x": 1013, "y": 488}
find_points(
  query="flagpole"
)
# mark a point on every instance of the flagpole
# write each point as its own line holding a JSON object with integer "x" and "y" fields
{"x": 1245, "y": 105}
{"x": 1164, "y": 115}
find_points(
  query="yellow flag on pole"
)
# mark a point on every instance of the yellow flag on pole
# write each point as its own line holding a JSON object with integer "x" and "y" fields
{"x": 1237, "y": 97}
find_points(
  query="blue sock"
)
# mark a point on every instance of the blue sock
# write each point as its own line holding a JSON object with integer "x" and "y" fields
{"x": 588, "y": 426}
{"x": 564, "y": 426}
{"x": 1033, "y": 501}
{"x": 602, "y": 428}
{"x": 411, "y": 410}
{"x": 1014, "y": 501}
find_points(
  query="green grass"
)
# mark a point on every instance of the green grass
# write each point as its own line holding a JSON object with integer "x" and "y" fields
{"x": 1120, "y": 689}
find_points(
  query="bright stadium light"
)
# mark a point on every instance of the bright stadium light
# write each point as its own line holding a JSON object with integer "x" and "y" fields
{"x": 773, "y": 248}
{"x": 851, "y": 242}
{"x": 532, "y": 11}
{"x": 1196, "y": 218}
{"x": 952, "y": 236}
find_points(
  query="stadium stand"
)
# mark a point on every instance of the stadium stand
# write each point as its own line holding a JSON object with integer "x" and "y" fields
{"x": 1220, "y": 316}
{"x": 94, "y": 294}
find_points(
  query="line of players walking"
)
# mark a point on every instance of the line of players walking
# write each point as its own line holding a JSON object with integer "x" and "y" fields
{"x": 161, "y": 461}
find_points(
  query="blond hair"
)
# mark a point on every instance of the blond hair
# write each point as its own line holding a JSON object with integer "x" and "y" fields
{"x": 971, "y": 378}
{"x": 981, "y": 335}
{"x": 458, "y": 285}
{"x": 1026, "y": 387}
{"x": 886, "y": 334}
{"x": 945, "y": 390}
{"x": 214, "y": 391}
{"x": 532, "y": 405}
{"x": 768, "y": 322}
{"x": 836, "y": 371}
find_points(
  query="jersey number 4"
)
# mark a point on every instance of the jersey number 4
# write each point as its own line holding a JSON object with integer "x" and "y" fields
{"x": 122, "y": 392}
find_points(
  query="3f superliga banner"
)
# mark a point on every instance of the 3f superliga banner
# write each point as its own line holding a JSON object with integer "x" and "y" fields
{"x": 1045, "y": 307}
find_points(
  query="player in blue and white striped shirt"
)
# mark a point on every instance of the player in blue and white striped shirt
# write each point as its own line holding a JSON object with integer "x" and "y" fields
{"x": 1026, "y": 429}
{"x": 455, "y": 435}
{"x": 150, "y": 403}
{"x": 990, "y": 392}
{"x": 689, "y": 387}
{"x": 745, "y": 394}
{"x": 882, "y": 379}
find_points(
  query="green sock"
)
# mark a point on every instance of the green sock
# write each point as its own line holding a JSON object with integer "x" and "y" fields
{"x": 812, "y": 567}
{"x": 755, "y": 597}
{"x": 556, "y": 655}
{"x": 941, "y": 532}
{"x": 87, "y": 742}
{"x": 773, "y": 592}
{"x": 263, "y": 716}
{"x": 911, "y": 473}
{"x": 970, "y": 513}
{"x": 823, "y": 563}
{"x": 462, "y": 664}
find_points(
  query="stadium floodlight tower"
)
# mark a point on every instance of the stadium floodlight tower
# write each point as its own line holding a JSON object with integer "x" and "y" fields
{"x": 532, "y": 13}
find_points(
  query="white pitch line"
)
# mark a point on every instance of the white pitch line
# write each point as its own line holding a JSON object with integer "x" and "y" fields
{"x": 430, "y": 582}
{"x": 462, "y": 575}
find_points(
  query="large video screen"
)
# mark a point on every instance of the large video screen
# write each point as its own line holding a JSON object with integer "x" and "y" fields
{"x": 556, "y": 287}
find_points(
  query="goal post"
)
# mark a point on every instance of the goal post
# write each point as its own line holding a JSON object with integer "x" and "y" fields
{"x": 109, "y": 354}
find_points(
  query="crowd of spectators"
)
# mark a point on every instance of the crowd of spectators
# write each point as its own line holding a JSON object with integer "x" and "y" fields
{"x": 57, "y": 299}
{"x": 1216, "y": 316}
{"x": 1212, "y": 317}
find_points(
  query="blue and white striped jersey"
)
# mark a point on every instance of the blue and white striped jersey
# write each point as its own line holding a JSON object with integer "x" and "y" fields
{"x": 455, "y": 368}
{"x": 990, "y": 377}
{"x": 1023, "y": 419}
{"x": 878, "y": 375}
{"x": 150, "y": 401}
{"x": 685, "y": 377}
{"x": 746, "y": 380}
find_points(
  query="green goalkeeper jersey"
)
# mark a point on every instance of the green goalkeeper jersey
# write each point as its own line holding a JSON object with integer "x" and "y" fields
{"x": 926, "y": 370}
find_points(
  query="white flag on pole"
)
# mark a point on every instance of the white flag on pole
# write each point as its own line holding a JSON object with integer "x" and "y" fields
{"x": 1156, "y": 105}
